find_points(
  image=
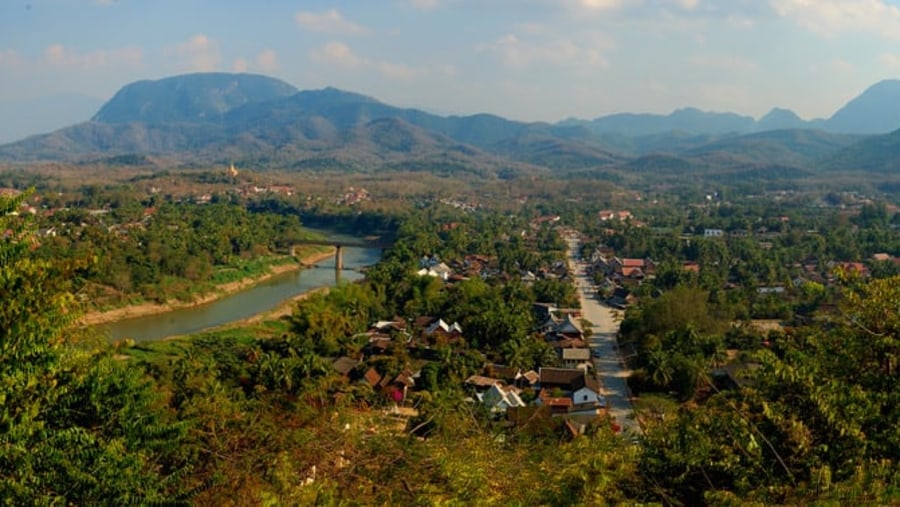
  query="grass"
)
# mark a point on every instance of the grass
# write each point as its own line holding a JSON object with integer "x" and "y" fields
{"x": 240, "y": 269}
{"x": 219, "y": 344}
{"x": 654, "y": 407}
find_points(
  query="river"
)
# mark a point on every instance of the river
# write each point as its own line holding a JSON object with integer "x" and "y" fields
{"x": 238, "y": 306}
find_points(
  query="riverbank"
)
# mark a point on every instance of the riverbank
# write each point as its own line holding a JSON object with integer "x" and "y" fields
{"x": 284, "y": 309}
{"x": 147, "y": 309}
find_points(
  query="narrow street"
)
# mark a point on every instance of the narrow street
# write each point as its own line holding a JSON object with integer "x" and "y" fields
{"x": 610, "y": 369}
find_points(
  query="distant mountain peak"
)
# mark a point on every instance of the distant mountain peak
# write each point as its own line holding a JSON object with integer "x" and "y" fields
{"x": 875, "y": 111}
{"x": 199, "y": 97}
{"x": 333, "y": 94}
{"x": 779, "y": 118}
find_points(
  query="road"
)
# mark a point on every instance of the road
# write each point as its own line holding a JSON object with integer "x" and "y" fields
{"x": 609, "y": 366}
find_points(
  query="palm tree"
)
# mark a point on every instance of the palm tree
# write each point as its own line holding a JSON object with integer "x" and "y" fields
{"x": 659, "y": 367}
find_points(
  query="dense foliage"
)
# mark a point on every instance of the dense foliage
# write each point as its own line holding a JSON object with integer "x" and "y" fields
{"x": 169, "y": 250}
{"x": 76, "y": 425}
{"x": 260, "y": 415}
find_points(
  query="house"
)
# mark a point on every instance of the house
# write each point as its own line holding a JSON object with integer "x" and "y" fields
{"x": 691, "y": 266}
{"x": 441, "y": 327}
{"x": 856, "y": 268}
{"x": 559, "y": 405}
{"x": 563, "y": 333}
{"x": 632, "y": 273}
{"x": 575, "y": 358}
{"x": 543, "y": 311}
{"x": 621, "y": 298}
{"x": 372, "y": 377}
{"x": 528, "y": 379}
{"x": 713, "y": 233}
{"x": 567, "y": 343}
{"x": 607, "y": 215}
{"x": 589, "y": 394}
{"x": 568, "y": 328}
{"x": 441, "y": 271}
{"x": 507, "y": 374}
{"x": 399, "y": 386}
{"x": 549, "y": 219}
{"x": 481, "y": 382}
{"x": 499, "y": 398}
{"x": 386, "y": 326}
{"x": 344, "y": 365}
{"x": 378, "y": 344}
{"x": 567, "y": 379}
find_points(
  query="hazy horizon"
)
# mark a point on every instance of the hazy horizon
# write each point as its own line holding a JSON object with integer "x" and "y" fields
{"x": 530, "y": 60}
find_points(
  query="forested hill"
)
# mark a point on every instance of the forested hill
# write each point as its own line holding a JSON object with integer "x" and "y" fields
{"x": 264, "y": 122}
{"x": 189, "y": 98}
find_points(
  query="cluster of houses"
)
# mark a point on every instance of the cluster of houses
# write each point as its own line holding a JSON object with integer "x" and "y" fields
{"x": 24, "y": 207}
{"x": 621, "y": 275}
{"x": 570, "y": 392}
{"x": 353, "y": 196}
{"x": 475, "y": 266}
{"x": 570, "y": 395}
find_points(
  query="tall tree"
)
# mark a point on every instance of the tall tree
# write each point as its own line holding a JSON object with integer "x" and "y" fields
{"x": 76, "y": 427}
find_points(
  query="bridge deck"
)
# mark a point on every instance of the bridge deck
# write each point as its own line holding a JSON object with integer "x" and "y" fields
{"x": 352, "y": 244}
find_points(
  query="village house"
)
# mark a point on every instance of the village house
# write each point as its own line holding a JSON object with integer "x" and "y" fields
{"x": 499, "y": 398}
{"x": 569, "y": 391}
{"x": 575, "y": 357}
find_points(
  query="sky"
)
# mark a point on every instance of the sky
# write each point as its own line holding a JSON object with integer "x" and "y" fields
{"x": 533, "y": 60}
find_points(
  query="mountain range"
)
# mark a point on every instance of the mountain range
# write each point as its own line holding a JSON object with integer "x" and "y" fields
{"x": 260, "y": 121}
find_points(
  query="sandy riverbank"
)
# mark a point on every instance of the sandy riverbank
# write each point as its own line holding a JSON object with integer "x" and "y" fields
{"x": 144, "y": 309}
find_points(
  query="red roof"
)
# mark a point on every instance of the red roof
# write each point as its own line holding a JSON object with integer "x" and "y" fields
{"x": 632, "y": 271}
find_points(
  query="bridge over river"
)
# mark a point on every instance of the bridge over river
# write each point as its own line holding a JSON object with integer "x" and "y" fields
{"x": 339, "y": 245}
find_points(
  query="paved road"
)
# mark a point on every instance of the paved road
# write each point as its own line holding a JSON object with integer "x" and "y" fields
{"x": 610, "y": 369}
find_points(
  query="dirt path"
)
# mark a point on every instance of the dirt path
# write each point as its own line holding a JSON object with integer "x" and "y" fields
{"x": 610, "y": 368}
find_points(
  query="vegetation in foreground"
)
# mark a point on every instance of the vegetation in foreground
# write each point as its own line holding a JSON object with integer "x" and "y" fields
{"x": 259, "y": 415}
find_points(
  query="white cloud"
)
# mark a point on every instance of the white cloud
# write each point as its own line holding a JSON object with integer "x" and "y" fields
{"x": 687, "y": 5}
{"x": 340, "y": 55}
{"x": 239, "y": 65}
{"x": 267, "y": 60}
{"x": 613, "y": 5}
{"x": 393, "y": 70}
{"x": 517, "y": 53}
{"x": 331, "y": 22}
{"x": 197, "y": 54}
{"x": 831, "y": 17}
{"x": 889, "y": 60}
{"x": 336, "y": 53}
{"x": 58, "y": 55}
{"x": 600, "y": 5}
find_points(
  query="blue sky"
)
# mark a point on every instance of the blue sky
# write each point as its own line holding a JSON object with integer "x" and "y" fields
{"x": 522, "y": 59}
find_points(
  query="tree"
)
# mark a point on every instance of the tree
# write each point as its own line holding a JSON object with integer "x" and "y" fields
{"x": 75, "y": 426}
